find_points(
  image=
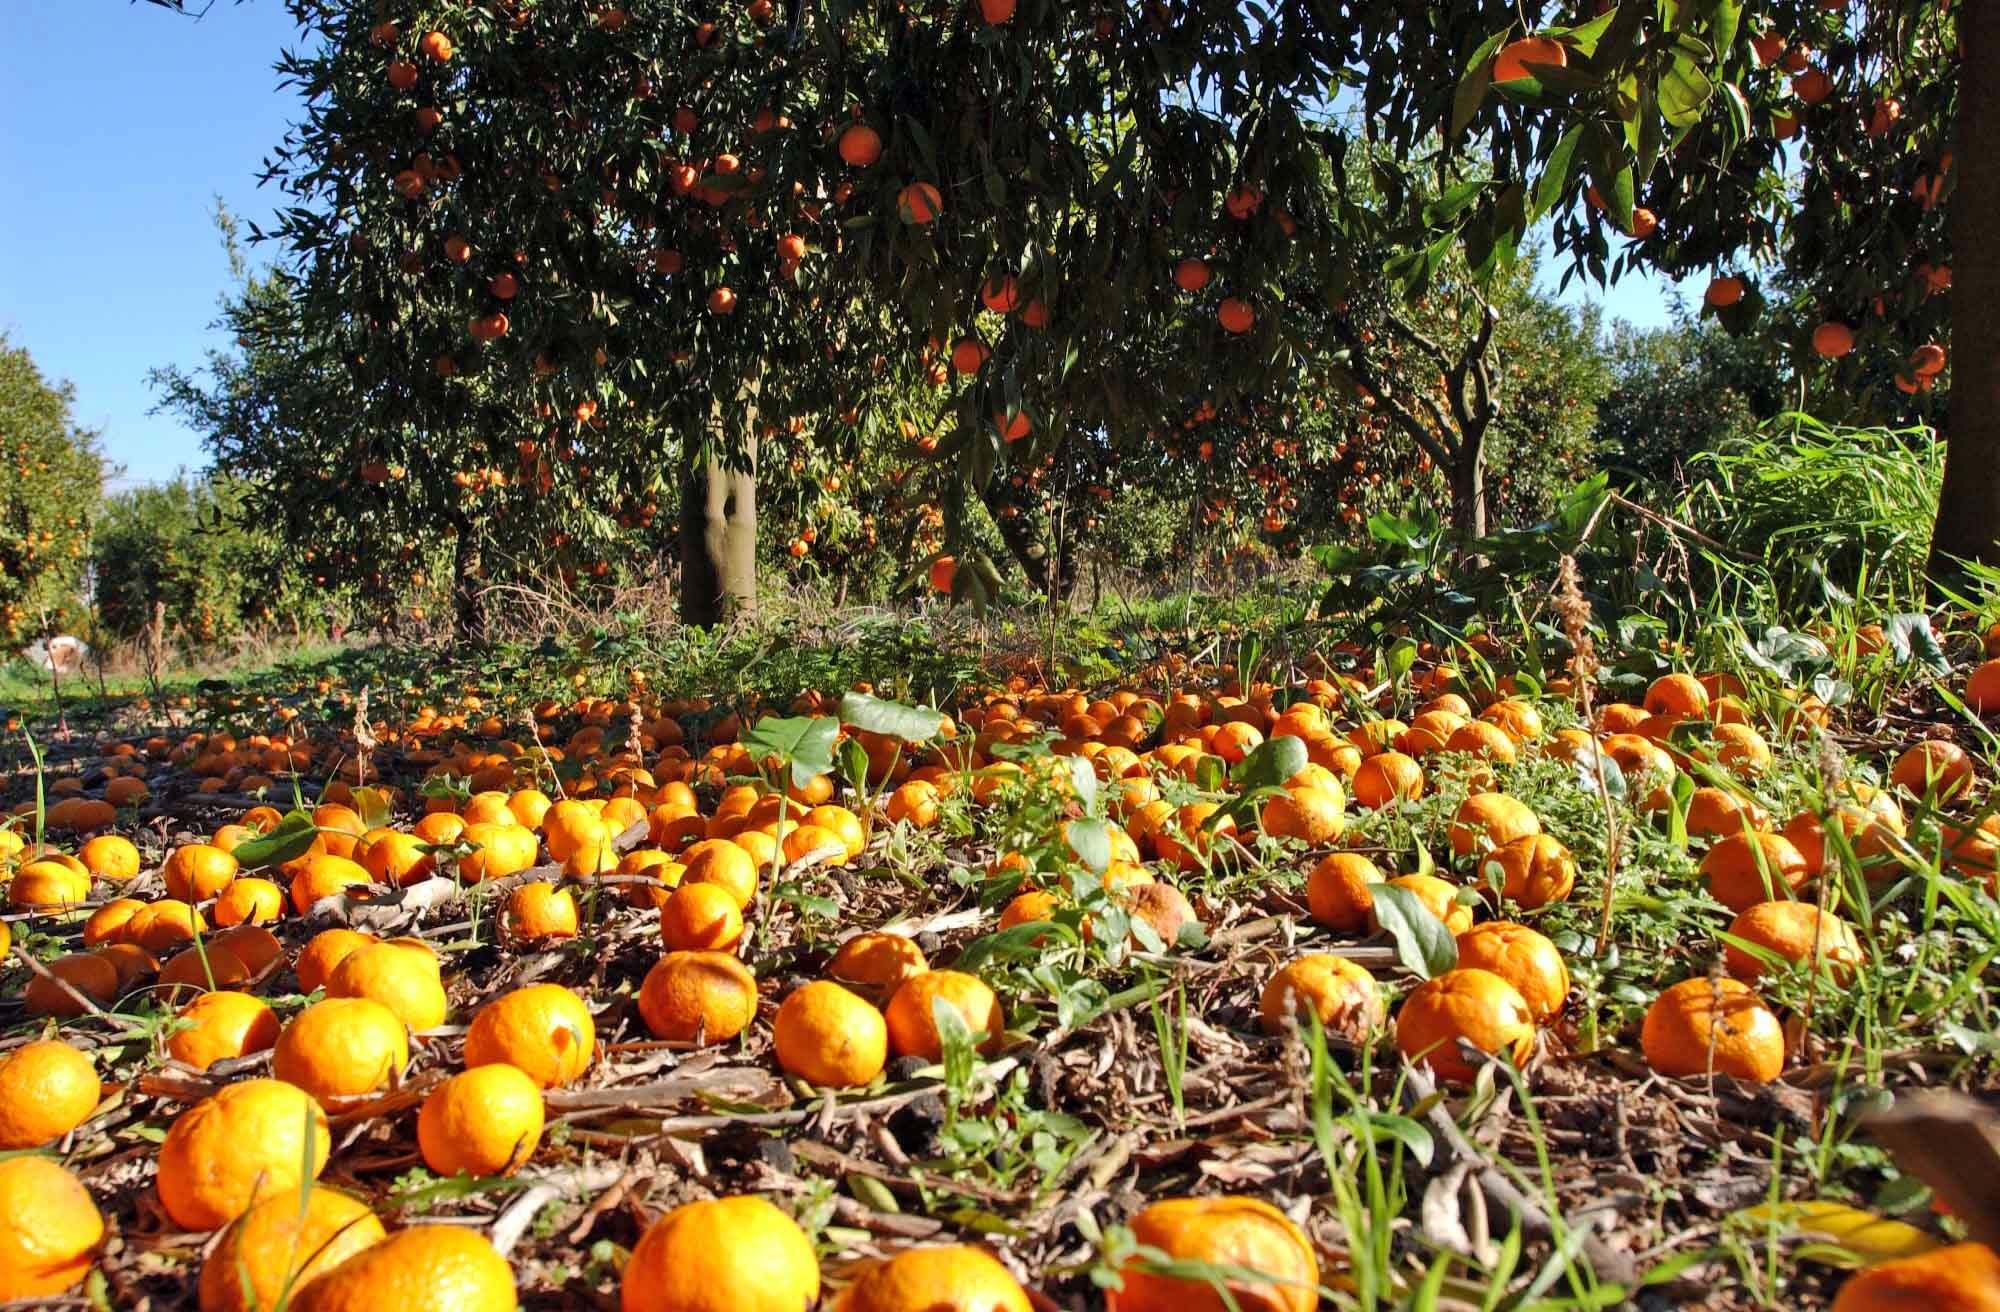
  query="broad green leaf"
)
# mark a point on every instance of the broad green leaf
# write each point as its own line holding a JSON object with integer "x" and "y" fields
{"x": 805, "y": 743}
{"x": 1423, "y": 944}
{"x": 1270, "y": 763}
{"x": 1914, "y": 642}
{"x": 1683, "y": 90}
{"x": 374, "y": 807}
{"x": 289, "y": 838}
{"x": 1091, "y": 842}
{"x": 913, "y": 724}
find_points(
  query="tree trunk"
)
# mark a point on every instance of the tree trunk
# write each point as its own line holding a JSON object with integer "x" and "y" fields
{"x": 1468, "y": 487}
{"x": 718, "y": 530}
{"x": 468, "y": 618}
{"x": 1968, "y": 519}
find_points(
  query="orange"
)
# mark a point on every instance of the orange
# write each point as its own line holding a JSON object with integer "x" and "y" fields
{"x": 713, "y": 861}
{"x": 253, "y": 945}
{"x": 915, "y": 802}
{"x": 164, "y": 926}
{"x": 1519, "y": 720}
{"x": 543, "y": 1029}
{"x": 569, "y": 826}
{"x": 340, "y": 828}
{"x": 92, "y": 976}
{"x": 426, "y": 1268}
{"x": 110, "y": 857}
{"x": 205, "y": 966}
{"x": 47, "y": 1089}
{"x": 1246, "y": 1234}
{"x": 50, "y": 1229}
{"x": 1337, "y": 891}
{"x": 1481, "y": 739}
{"x": 44, "y": 884}
{"x": 1522, "y": 957}
{"x": 241, "y": 1144}
{"x": 1489, "y": 820}
{"x": 701, "y": 918}
{"x": 1191, "y": 835}
{"x": 540, "y": 910}
{"x": 131, "y": 962}
{"x": 842, "y": 823}
{"x": 107, "y": 923}
{"x": 1159, "y": 905}
{"x": 281, "y": 1245}
{"x": 1311, "y": 814}
{"x": 932, "y": 1279}
{"x": 913, "y": 1026}
{"x": 1340, "y": 993}
{"x": 1470, "y": 1005}
{"x": 1528, "y": 58}
{"x": 1933, "y": 768}
{"x": 197, "y": 873}
{"x": 321, "y": 875}
{"x": 222, "y": 1025}
{"x": 326, "y": 950}
{"x": 1796, "y": 931}
{"x": 1386, "y": 778}
{"x": 707, "y": 997}
{"x": 1677, "y": 694}
{"x": 828, "y": 1036}
{"x": 403, "y": 979}
{"x": 529, "y": 806}
{"x": 1740, "y": 749}
{"x": 1958, "y": 1278}
{"x": 1713, "y": 813}
{"x": 392, "y": 857}
{"x": 1704, "y": 1024}
{"x": 1745, "y": 869}
{"x": 1535, "y": 871}
{"x": 1438, "y": 897}
{"x": 876, "y": 963}
{"x": 249, "y": 901}
{"x": 483, "y": 1121}
{"x": 810, "y": 843}
{"x": 738, "y": 1254}
{"x": 502, "y": 849}
{"x": 342, "y": 1047}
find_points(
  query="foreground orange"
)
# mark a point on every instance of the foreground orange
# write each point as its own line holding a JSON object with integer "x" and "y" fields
{"x": 1243, "y": 1233}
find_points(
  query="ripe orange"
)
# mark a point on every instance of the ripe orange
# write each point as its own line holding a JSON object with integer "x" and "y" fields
{"x": 1235, "y": 315}
{"x": 1833, "y": 339}
{"x": 342, "y": 1047}
{"x": 913, "y": 1026}
{"x": 1745, "y": 869}
{"x": 860, "y": 145}
{"x": 107, "y": 924}
{"x": 1535, "y": 871}
{"x": 1337, "y": 891}
{"x": 1958, "y": 1278}
{"x": 1386, "y": 778}
{"x": 504, "y": 848}
{"x": 1489, "y": 820}
{"x": 426, "y": 1268}
{"x": 1246, "y": 1234}
{"x": 875, "y": 964}
{"x": 326, "y": 950}
{"x": 1522, "y": 957}
{"x": 1703, "y": 1024}
{"x": 738, "y": 1254}
{"x": 716, "y": 861}
{"x": 1438, "y": 896}
{"x": 1512, "y": 63}
{"x": 701, "y": 918}
{"x": 281, "y": 1245}
{"x": 915, "y": 802}
{"x": 936, "y": 1277}
{"x": 108, "y": 856}
{"x": 47, "y": 1089}
{"x": 1933, "y": 768}
{"x": 543, "y": 1029}
{"x": 483, "y": 1121}
{"x": 402, "y": 978}
{"x": 1343, "y": 995}
{"x": 92, "y": 976}
{"x": 50, "y": 1229}
{"x": 321, "y": 875}
{"x": 706, "y": 997}
{"x": 1474, "y": 1005}
{"x": 242, "y": 1143}
{"x": 249, "y": 901}
{"x": 1796, "y": 931}
{"x": 826, "y": 1035}
{"x": 222, "y": 1025}
{"x": 1311, "y": 814}
{"x": 540, "y": 910}
{"x": 1714, "y": 813}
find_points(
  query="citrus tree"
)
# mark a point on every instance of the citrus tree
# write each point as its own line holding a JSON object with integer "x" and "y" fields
{"x": 50, "y": 480}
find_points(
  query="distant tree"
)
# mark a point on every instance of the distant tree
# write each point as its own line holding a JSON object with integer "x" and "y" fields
{"x": 1680, "y": 390}
{"x": 51, "y": 476}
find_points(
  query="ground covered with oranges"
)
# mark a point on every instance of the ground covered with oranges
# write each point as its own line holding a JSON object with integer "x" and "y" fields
{"x": 1403, "y": 976}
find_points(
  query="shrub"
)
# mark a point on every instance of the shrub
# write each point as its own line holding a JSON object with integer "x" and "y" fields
{"x": 50, "y": 475}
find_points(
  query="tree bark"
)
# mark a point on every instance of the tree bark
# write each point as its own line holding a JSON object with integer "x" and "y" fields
{"x": 468, "y": 617}
{"x": 1968, "y": 518}
{"x": 718, "y": 528}
{"x": 1468, "y": 486}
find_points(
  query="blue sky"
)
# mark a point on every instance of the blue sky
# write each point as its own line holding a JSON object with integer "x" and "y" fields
{"x": 122, "y": 126}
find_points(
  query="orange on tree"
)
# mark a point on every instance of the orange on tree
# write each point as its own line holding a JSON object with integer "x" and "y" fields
{"x": 1239, "y": 1234}
{"x": 244, "y": 1142}
{"x": 912, "y": 1022}
{"x": 50, "y": 1229}
{"x": 1470, "y": 1005}
{"x": 281, "y": 1245}
{"x": 341, "y": 1048}
{"x": 827, "y": 1035}
{"x": 1702, "y": 1025}
{"x": 483, "y": 1121}
{"x": 542, "y": 1029}
{"x": 425, "y": 1268}
{"x": 47, "y": 1089}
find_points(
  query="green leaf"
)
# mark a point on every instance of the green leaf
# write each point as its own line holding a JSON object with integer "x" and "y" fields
{"x": 913, "y": 724}
{"x": 1423, "y": 944}
{"x": 1683, "y": 91}
{"x": 1914, "y": 642}
{"x": 1555, "y": 177}
{"x": 1473, "y": 83}
{"x": 288, "y": 839}
{"x": 1091, "y": 842}
{"x": 1270, "y": 763}
{"x": 805, "y": 743}
{"x": 1083, "y": 779}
